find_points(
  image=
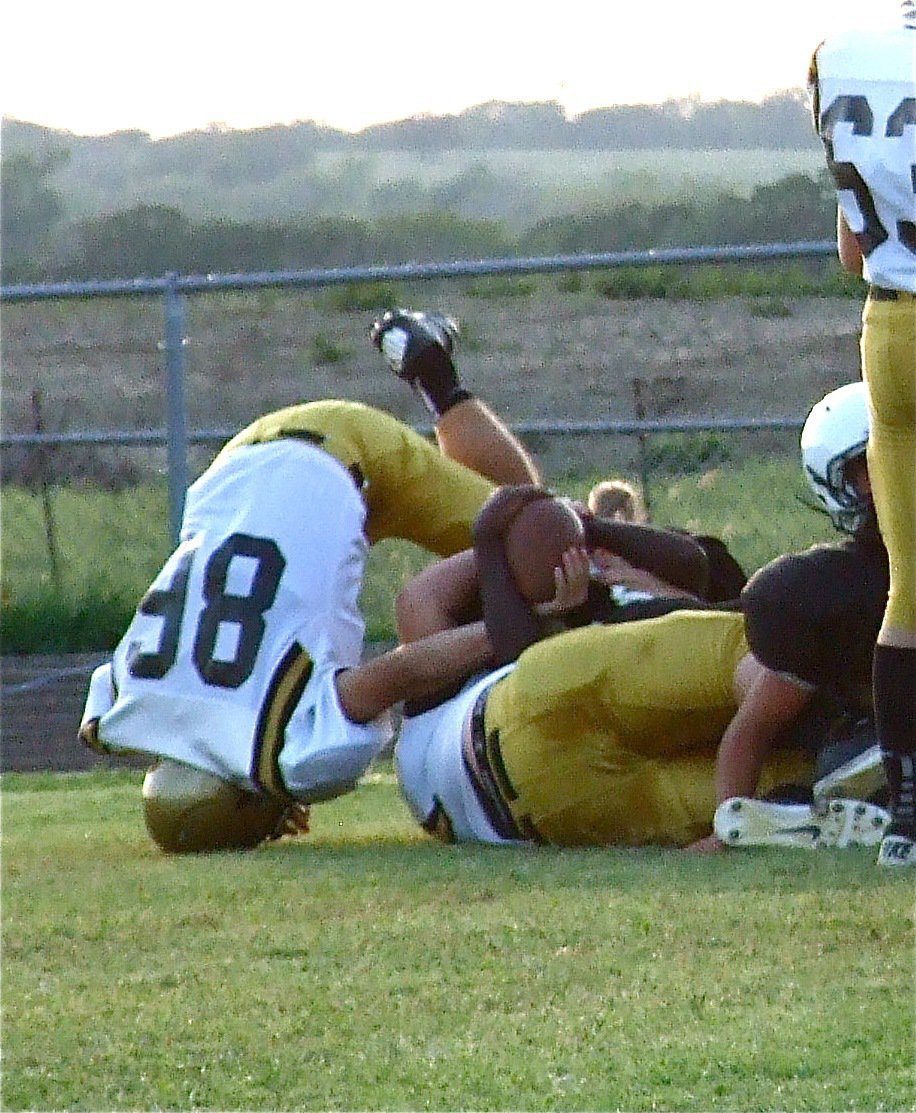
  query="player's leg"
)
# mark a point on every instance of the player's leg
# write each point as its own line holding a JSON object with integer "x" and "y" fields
{"x": 580, "y": 729}
{"x": 419, "y": 348}
{"x": 410, "y": 490}
{"x": 471, "y": 433}
{"x": 889, "y": 367}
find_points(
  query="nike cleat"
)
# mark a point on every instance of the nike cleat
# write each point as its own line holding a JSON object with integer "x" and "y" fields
{"x": 898, "y": 847}
{"x": 860, "y": 778}
{"x": 743, "y": 821}
{"x": 408, "y": 340}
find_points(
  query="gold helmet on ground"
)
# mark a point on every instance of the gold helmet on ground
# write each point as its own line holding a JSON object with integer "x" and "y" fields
{"x": 188, "y": 811}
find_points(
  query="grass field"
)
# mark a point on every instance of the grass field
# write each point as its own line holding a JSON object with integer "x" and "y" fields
{"x": 366, "y": 967}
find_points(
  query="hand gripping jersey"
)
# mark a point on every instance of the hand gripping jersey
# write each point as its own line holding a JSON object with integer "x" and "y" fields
{"x": 229, "y": 662}
{"x": 864, "y": 87}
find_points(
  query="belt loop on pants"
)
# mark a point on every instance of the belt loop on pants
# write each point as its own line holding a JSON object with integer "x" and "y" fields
{"x": 484, "y": 765}
{"x": 882, "y": 293}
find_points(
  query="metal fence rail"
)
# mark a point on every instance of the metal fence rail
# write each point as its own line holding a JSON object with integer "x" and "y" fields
{"x": 174, "y": 287}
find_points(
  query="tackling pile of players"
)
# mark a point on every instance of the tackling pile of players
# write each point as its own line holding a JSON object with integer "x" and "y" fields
{"x": 566, "y": 677}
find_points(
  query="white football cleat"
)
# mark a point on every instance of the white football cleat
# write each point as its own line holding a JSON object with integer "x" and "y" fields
{"x": 860, "y": 778}
{"x": 898, "y": 847}
{"x": 742, "y": 821}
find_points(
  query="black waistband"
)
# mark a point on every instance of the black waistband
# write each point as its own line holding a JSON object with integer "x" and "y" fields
{"x": 487, "y": 773}
{"x": 319, "y": 440}
{"x": 881, "y": 293}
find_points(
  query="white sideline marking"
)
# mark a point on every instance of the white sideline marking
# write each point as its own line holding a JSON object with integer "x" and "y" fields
{"x": 49, "y": 678}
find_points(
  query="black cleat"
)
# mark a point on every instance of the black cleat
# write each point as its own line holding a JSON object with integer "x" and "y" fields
{"x": 418, "y": 348}
{"x": 412, "y": 341}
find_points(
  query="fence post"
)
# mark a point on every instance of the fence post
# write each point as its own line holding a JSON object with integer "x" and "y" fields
{"x": 50, "y": 522}
{"x": 176, "y": 411}
{"x": 643, "y": 440}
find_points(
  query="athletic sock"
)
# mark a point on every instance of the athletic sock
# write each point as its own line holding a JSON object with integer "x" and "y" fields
{"x": 894, "y": 690}
{"x": 437, "y": 382}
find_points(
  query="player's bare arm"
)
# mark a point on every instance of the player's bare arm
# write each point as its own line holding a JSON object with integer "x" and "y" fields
{"x": 614, "y": 572}
{"x": 431, "y": 663}
{"x": 675, "y": 558}
{"x": 446, "y": 594}
{"x": 441, "y": 596}
{"x": 530, "y": 549}
{"x": 571, "y": 578}
{"x": 768, "y": 703}
{"x": 848, "y": 249}
{"x": 413, "y": 672}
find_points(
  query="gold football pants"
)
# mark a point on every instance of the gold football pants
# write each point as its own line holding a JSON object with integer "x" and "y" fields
{"x": 889, "y": 369}
{"x": 410, "y": 489}
{"x": 608, "y": 735}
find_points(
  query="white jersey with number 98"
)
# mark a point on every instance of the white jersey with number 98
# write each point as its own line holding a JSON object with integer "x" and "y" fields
{"x": 229, "y": 662}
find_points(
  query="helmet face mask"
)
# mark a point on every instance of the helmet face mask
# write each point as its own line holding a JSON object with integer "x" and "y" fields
{"x": 188, "y": 811}
{"x": 835, "y": 433}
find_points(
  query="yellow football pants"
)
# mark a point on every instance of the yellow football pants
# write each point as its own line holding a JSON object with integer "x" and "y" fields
{"x": 410, "y": 489}
{"x": 889, "y": 370}
{"x": 608, "y": 734}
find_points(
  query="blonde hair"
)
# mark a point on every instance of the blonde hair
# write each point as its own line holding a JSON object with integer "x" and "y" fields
{"x": 617, "y": 499}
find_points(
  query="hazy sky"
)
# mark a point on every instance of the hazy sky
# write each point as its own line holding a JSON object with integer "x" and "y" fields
{"x": 96, "y": 66}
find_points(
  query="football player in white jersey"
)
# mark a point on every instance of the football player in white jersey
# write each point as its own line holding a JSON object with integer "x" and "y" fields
{"x": 230, "y": 672}
{"x": 863, "y": 86}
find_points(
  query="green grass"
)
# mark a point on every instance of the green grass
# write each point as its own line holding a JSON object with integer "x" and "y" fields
{"x": 764, "y": 286}
{"x": 366, "y": 967}
{"x": 73, "y": 583}
{"x": 110, "y": 544}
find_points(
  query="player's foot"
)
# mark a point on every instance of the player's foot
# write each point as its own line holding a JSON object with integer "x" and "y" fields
{"x": 742, "y": 821}
{"x": 410, "y": 340}
{"x": 898, "y": 847}
{"x": 418, "y": 348}
{"x": 860, "y": 778}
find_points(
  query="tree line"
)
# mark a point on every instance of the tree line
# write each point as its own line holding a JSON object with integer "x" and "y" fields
{"x": 151, "y": 240}
{"x": 51, "y": 230}
{"x": 779, "y": 122}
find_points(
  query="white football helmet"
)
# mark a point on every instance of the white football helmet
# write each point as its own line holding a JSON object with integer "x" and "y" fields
{"x": 835, "y": 432}
{"x": 188, "y": 811}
